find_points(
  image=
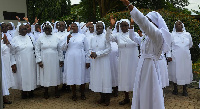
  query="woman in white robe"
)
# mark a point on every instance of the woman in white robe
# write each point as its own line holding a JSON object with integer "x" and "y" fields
{"x": 88, "y": 36}
{"x": 5, "y": 79}
{"x": 100, "y": 74}
{"x": 49, "y": 56}
{"x": 6, "y": 57}
{"x": 128, "y": 60}
{"x": 114, "y": 60}
{"x": 180, "y": 67}
{"x": 74, "y": 67}
{"x": 62, "y": 34}
{"x": 147, "y": 90}
{"x": 23, "y": 62}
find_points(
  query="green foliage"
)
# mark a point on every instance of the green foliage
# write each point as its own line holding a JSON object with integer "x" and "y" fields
{"x": 46, "y": 10}
{"x": 192, "y": 25}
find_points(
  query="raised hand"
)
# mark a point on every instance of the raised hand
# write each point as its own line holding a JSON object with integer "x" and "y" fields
{"x": 132, "y": 21}
{"x": 18, "y": 18}
{"x": 125, "y": 2}
{"x": 26, "y": 19}
{"x": 5, "y": 40}
{"x": 36, "y": 20}
{"x": 112, "y": 21}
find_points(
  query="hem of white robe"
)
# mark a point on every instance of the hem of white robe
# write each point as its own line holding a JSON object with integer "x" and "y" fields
{"x": 100, "y": 89}
{"x": 74, "y": 82}
{"x": 127, "y": 89}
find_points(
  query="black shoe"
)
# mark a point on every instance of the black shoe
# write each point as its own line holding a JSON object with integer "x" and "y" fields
{"x": 185, "y": 93}
{"x": 83, "y": 97}
{"x": 31, "y": 94}
{"x": 46, "y": 95}
{"x": 175, "y": 92}
{"x": 125, "y": 101}
{"x": 74, "y": 97}
{"x": 7, "y": 102}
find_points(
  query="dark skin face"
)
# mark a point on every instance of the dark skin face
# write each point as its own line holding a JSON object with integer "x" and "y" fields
{"x": 117, "y": 27}
{"x": 74, "y": 27}
{"x": 37, "y": 28}
{"x": 124, "y": 27}
{"x": 23, "y": 30}
{"x": 47, "y": 29}
{"x": 179, "y": 26}
{"x": 57, "y": 25}
{"x": 9, "y": 26}
{"x": 61, "y": 26}
{"x": 28, "y": 26}
{"x": 3, "y": 28}
{"x": 99, "y": 28}
{"x": 91, "y": 28}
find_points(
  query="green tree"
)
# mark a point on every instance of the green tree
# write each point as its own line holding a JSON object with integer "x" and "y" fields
{"x": 46, "y": 10}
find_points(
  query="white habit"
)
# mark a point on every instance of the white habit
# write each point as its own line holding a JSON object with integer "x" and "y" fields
{"x": 180, "y": 68}
{"x": 100, "y": 74}
{"x": 24, "y": 58}
{"x": 147, "y": 92}
{"x": 49, "y": 53}
{"x": 74, "y": 63}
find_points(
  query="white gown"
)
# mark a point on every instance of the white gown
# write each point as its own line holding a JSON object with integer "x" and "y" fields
{"x": 162, "y": 64}
{"x": 5, "y": 87}
{"x": 61, "y": 36}
{"x": 88, "y": 37}
{"x": 180, "y": 69}
{"x": 24, "y": 58}
{"x": 48, "y": 51}
{"x": 6, "y": 58}
{"x": 147, "y": 90}
{"x": 100, "y": 74}
{"x": 114, "y": 63}
{"x": 74, "y": 63}
{"x": 128, "y": 61}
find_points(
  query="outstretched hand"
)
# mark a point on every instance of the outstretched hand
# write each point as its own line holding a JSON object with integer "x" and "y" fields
{"x": 36, "y": 20}
{"x": 112, "y": 21}
{"x": 125, "y": 2}
{"x": 26, "y": 19}
{"x": 18, "y": 18}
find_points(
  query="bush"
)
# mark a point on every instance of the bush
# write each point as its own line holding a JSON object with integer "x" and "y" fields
{"x": 192, "y": 25}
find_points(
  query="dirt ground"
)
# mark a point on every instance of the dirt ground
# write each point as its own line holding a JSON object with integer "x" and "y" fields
{"x": 65, "y": 102}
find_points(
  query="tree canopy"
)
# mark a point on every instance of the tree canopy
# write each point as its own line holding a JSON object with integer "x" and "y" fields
{"x": 46, "y": 10}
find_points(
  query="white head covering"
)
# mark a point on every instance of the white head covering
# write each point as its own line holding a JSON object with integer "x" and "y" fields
{"x": 115, "y": 29}
{"x": 78, "y": 25}
{"x": 42, "y": 27}
{"x": 123, "y": 20}
{"x": 174, "y": 29}
{"x": 49, "y": 25}
{"x": 12, "y": 25}
{"x": 82, "y": 24}
{"x": 157, "y": 19}
{"x": 104, "y": 30}
{"x": 55, "y": 29}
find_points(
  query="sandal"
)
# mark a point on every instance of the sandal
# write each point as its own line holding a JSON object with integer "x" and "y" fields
{"x": 125, "y": 101}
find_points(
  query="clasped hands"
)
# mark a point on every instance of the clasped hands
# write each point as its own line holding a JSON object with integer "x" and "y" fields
{"x": 93, "y": 55}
